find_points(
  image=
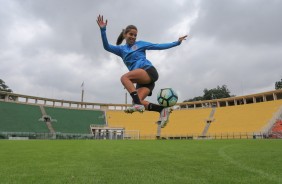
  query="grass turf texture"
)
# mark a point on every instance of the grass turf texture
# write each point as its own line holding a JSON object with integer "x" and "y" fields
{"x": 182, "y": 161}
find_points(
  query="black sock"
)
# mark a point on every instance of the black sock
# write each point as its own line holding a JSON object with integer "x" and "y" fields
{"x": 135, "y": 97}
{"x": 155, "y": 107}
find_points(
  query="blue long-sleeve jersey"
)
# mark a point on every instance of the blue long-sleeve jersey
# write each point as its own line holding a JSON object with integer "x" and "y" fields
{"x": 134, "y": 56}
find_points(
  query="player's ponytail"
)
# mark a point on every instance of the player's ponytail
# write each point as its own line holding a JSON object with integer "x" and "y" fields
{"x": 120, "y": 37}
{"x": 124, "y": 31}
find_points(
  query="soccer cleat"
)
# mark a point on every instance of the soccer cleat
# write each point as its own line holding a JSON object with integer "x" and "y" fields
{"x": 164, "y": 116}
{"x": 136, "y": 107}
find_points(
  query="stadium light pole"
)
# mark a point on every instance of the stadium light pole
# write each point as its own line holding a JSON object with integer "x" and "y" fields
{"x": 82, "y": 92}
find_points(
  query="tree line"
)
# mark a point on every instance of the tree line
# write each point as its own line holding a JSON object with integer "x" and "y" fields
{"x": 211, "y": 94}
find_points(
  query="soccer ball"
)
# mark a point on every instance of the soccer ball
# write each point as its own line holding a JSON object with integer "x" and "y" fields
{"x": 167, "y": 97}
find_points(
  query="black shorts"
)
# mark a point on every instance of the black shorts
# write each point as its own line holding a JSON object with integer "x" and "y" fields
{"x": 153, "y": 74}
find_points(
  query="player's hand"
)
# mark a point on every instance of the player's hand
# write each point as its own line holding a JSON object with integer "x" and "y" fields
{"x": 182, "y": 38}
{"x": 100, "y": 21}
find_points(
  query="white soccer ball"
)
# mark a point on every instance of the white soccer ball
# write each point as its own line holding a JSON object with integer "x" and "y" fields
{"x": 167, "y": 97}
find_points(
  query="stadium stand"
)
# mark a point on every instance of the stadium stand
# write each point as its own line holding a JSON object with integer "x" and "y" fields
{"x": 145, "y": 122}
{"x": 21, "y": 118}
{"x": 183, "y": 122}
{"x": 231, "y": 119}
{"x": 276, "y": 131}
{"x": 74, "y": 120}
{"x": 278, "y": 126}
{"x": 244, "y": 118}
{"x": 243, "y": 114}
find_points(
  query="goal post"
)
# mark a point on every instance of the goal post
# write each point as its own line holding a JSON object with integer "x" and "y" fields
{"x": 131, "y": 134}
{"x": 105, "y": 132}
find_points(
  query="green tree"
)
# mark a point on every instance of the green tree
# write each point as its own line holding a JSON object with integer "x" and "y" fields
{"x": 197, "y": 98}
{"x": 278, "y": 85}
{"x": 4, "y": 87}
{"x": 215, "y": 93}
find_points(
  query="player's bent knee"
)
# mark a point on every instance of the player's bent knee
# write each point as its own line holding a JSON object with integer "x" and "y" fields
{"x": 123, "y": 78}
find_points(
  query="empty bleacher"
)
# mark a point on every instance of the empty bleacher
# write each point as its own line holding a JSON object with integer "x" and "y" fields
{"x": 247, "y": 118}
{"x": 145, "y": 122}
{"x": 276, "y": 131}
{"x": 183, "y": 122}
{"x": 277, "y": 126}
{"x": 20, "y": 118}
{"x": 34, "y": 114}
{"x": 74, "y": 120}
{"x": 244, "y": 118}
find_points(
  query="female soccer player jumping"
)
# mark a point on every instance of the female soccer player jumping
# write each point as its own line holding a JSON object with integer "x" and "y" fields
{"x": 141, "y": 71}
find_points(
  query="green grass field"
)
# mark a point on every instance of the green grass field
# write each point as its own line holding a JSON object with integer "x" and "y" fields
{"x": 157, "y": 162}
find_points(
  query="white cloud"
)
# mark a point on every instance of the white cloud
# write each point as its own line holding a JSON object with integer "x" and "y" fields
{"x": 48, "y": 48}
{"x": 25, "y": 31}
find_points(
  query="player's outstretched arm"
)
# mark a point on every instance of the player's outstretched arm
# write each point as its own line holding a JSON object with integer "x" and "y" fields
{"x": 102, "y": 24}
{"x": 100, "y": 21}
{"x": 163, "y": 46}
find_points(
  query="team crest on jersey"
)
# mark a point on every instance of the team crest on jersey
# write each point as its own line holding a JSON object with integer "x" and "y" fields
{"x": 134, "y": 47}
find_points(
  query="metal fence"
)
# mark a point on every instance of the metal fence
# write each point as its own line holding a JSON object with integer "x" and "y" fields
{"x": 133, "y": 135}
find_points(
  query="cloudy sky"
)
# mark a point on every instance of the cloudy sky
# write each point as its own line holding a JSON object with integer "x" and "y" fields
{"x": 48, "y": 48}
